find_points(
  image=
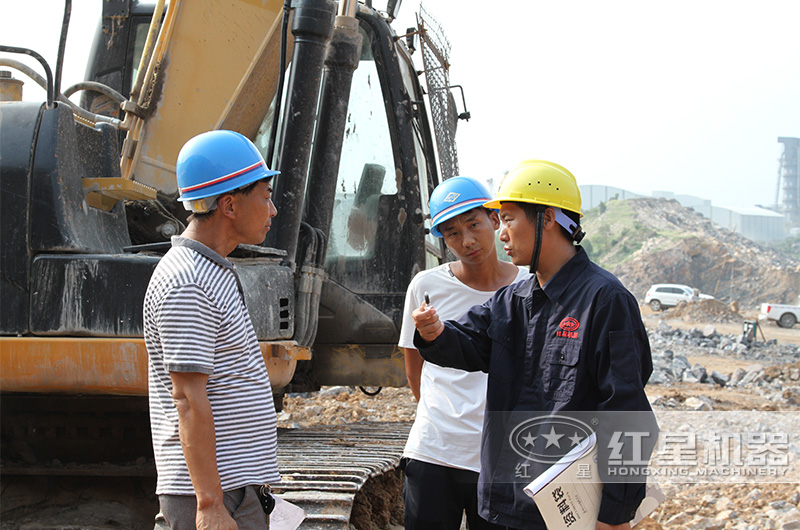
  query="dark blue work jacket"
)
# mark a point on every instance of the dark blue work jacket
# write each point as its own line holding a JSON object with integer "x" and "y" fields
{"x": 578, "y": 344}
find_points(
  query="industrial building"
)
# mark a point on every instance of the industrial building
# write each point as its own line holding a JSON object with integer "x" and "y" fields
{"x": 593, "y": 194}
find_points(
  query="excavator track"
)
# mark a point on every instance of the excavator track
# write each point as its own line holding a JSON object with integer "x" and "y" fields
{"x": 323, "y": 468}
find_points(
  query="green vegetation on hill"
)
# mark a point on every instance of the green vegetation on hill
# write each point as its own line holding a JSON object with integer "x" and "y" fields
{"x": 615, "y": 233}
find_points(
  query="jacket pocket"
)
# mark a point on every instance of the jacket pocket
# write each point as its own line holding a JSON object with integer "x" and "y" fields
{"x": 505, "y": 364}
{"x": 561, "y": 369}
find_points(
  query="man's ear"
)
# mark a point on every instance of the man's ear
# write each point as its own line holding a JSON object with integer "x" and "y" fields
{"x": 494, "y": 217}
{"x": 225, "y": 204}
{"x": 549, "y": 219}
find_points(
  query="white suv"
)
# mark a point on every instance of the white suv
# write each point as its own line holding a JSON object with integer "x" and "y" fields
{"x": 662, "y": 295}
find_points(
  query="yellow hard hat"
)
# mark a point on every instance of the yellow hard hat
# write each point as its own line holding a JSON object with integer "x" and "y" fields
{"x": 539, "y": 182}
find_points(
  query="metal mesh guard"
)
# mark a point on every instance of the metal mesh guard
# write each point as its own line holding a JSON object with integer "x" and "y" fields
{"x": 435, "y": 59}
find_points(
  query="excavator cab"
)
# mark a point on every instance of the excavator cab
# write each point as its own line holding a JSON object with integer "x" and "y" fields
{"x": 332, "y": 100}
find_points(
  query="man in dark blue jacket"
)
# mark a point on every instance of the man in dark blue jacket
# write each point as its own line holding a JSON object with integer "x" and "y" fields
{"x": 569, "y": 340}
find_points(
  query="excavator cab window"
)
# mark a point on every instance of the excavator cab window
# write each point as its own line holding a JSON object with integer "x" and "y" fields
{"x": 366, "y": 170}
{"x": 139, "y": 38}
{"x": 115, "y": 56}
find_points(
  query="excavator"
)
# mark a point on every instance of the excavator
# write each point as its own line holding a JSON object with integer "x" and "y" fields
{"x": 330, "y": 95}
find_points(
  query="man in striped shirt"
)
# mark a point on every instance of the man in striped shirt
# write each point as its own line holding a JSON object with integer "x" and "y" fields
{"x": 211, "y": 410}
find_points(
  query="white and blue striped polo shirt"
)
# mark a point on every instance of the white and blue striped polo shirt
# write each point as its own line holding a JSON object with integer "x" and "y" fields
{"x": 195, "y": 320}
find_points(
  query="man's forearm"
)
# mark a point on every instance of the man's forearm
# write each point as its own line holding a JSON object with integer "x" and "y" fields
{"x": 413, "y": 361}
{"x": 452, "y": 349}
{"x": 198, "y": 440}
{"x": 197, "y": 435}
{"x": 199, "y": 448}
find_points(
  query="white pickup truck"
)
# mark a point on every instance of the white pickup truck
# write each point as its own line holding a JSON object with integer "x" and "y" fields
{"x": 785, "y": 315}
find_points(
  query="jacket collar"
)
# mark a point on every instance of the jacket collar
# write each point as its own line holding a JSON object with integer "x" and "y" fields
{"x": 560, "y": 280}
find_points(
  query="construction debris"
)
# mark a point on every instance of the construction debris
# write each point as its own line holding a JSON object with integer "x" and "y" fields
{"x": 648, "y": 240}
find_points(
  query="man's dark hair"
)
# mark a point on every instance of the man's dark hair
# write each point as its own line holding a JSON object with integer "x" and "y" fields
{"x": 485, "y": 210}
{"x": 531, "y": 210}
{"x": 246, "y": 190}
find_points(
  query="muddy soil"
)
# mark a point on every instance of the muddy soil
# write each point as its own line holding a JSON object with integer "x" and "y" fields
{"x": 733, "y": 505}
{"x": 36, "y": 504}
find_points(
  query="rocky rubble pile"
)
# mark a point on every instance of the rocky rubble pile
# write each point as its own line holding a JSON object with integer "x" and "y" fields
{"x": 775, "y": 370}
{"x": 740, "y": 507}
{"x": 708, "y": 341}
{"x": 682, "y": 246}
{"x": 704, "y": 311}
{"x": 339, "y": 405}
{"x": 763, "y": 376}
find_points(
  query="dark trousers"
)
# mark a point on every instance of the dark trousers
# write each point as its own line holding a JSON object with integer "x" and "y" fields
{"x": 178, "y": 512}
{"x": 436, "y": 498}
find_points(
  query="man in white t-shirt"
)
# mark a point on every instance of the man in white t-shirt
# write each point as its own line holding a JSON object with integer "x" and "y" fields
{"x": 442, "y": 455}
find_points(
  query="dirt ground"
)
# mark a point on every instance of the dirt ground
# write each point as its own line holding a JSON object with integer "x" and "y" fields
{"x": 706, "y": 506}
{"x": 768, "y": 329}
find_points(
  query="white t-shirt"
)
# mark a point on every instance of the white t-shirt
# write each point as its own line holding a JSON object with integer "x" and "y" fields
{"x": 449, "y": 421}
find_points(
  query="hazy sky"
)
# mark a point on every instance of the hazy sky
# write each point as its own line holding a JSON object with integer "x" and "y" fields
{"x": 684, "y": 96}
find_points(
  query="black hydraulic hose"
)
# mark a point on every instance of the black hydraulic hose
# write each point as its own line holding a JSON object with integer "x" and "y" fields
{"x": 341, "y": 60}
{"x": 312, "y": 26}
{"x": 48, "y": 73}
{"x": 62, "y": 44}
{"x": 39, "y": 80}
{"x": 287, "y": 6}
{"x": 96, "y": 87}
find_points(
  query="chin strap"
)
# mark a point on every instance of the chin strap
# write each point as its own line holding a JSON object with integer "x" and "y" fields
{"x": 537, "y": 248}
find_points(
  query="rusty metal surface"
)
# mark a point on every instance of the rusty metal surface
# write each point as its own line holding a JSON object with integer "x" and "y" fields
{"x": 106, "y": 366}
{"x": 188, "y": 96}
{"x": 322, "y": 468}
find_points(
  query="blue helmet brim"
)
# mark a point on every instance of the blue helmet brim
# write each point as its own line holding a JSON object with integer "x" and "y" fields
{"x": 454, "y": 211}
{"x": 228, "y": 183}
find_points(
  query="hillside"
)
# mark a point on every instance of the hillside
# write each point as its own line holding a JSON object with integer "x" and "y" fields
{"x": 649, "y": 240}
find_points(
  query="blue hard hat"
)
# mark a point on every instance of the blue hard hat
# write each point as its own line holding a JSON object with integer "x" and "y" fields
{"x": 455, "y": 196}
{"x": 216, "y": 162}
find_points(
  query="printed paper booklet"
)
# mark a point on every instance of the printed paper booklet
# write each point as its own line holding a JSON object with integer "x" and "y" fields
{"x": 568, "y": 494}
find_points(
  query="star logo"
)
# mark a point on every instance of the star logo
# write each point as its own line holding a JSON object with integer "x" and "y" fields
{"x": 553, "y": 429}
{"x": 552, "y": 438}
{"x": 575, "y": 439}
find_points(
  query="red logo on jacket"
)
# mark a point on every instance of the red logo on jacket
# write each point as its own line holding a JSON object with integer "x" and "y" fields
{"x": 569, "y": 324}
{"x": 570, "y": 328}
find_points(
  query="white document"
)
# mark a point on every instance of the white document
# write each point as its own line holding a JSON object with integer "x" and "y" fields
{"x": 285, "y": 515}
{"x": 568, "y": 494}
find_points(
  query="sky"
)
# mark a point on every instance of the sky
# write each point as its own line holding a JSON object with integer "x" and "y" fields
{"x": 681, "y": 96}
